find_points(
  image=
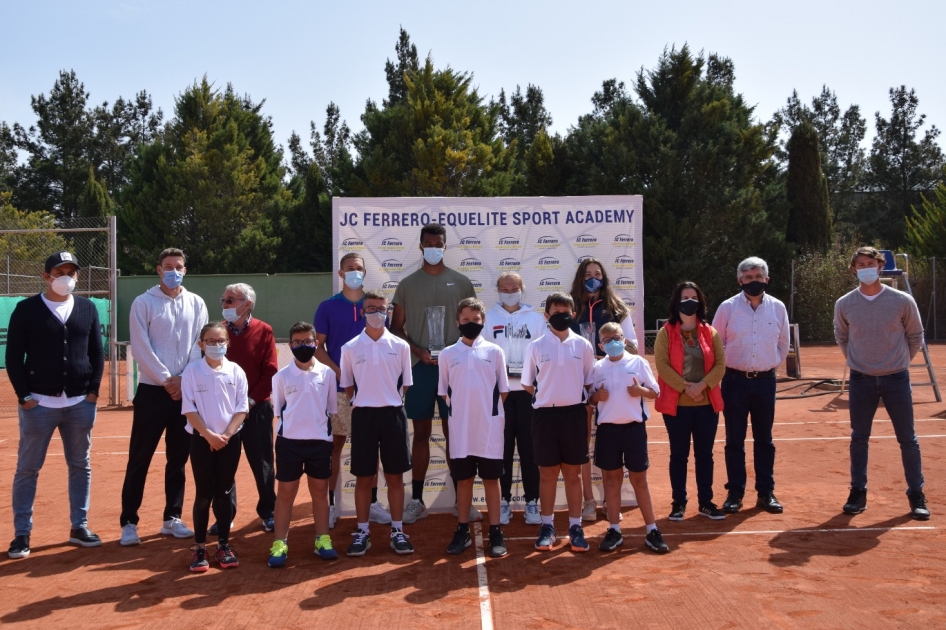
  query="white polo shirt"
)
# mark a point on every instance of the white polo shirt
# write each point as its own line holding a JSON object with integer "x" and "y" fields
{"x": 559, "y": 370}
{"x": 303, "y": 400}
{"x": 214, "y": 394}
{"x": 376, "y": 369}
{"x": 616, "y": 377}
{"x": 473, "y": 377}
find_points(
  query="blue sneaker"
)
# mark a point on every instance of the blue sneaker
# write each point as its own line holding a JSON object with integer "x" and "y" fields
{"x": 323, "y": 548}
{"x": 546, "y": 539}
{"x": 576, "y": 538}
{"x": 269, "y": 524}
{"x": 361, "y": 544}
{"x": 278, "y": 554}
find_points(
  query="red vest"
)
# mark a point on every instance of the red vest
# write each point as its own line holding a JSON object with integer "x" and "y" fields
{"x": 669, "y": 397}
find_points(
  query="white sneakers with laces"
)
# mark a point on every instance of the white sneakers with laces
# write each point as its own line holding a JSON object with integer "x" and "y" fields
{"x": 176, "y": 527}
{"x": 505, "y": 513}
{"x": 129, "y": 535}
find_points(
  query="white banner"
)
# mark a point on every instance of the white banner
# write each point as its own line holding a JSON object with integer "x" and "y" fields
{"x": 541, "y": 238}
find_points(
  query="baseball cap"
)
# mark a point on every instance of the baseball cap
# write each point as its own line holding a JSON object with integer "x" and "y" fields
{"x": 60, "y": 259}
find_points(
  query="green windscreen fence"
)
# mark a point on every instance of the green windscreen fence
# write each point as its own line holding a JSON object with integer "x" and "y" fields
{"x": 7, "y": 304}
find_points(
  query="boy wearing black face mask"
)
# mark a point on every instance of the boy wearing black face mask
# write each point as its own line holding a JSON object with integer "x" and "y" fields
{"x": 303, "y": 397}
{"x": 473, "y": 382}
{"x": 556, "y": 370}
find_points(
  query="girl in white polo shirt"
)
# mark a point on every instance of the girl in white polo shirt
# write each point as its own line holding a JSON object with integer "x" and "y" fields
{"x": 303, "y": 397}
{"x": 214, "y": 400}
{"x": 620, "y": 384}
{"x": 474, "y": 383}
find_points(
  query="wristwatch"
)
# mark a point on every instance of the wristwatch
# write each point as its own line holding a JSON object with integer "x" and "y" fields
{"x": 24, "y": 400}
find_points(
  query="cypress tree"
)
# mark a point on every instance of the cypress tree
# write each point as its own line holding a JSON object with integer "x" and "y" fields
{"x": 809, "y": 217}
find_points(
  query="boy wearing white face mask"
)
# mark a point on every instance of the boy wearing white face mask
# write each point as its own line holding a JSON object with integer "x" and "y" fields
{"x": 59, "y": 337}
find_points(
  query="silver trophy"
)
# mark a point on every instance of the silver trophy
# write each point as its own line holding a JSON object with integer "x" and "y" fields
{"x": 517, "y": 337}
{"x": 587, "y": 330}
{"x": 435, "y": 336}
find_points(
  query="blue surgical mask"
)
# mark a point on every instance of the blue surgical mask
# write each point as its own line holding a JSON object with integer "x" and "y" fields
{"x": 433, "y": 255}
{"x": 215, "y": 352}
{"x": 353, "y": 279}
{"x": 614, "y": 348}
{"x": 173, "y": 278}
{"x": 230, "y": 314}
{"x": 867, "y": 275}
{"x": 593, "y": 284}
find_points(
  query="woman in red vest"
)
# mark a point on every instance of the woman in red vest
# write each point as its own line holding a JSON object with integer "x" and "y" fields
{"x": 690, "y": 366}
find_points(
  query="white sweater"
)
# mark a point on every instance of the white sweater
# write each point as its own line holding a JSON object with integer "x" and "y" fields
{"x": 164, "y": 333}
{"x": 500, "y": 323}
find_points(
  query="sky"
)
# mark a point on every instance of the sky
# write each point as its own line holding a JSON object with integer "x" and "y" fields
{"x": 299, "y": 56}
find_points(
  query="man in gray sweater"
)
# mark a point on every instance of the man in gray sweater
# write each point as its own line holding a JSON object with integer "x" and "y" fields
{"x": 880, "y": 331}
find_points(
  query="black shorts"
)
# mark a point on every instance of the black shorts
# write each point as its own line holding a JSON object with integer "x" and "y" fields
{"x": 560, "y": 435}
{"x": 622, "y": 446}
{"x": 422, "y": 395}
{"x": 379, "y": 430}
{"x": 472, "y": 466}
{"x": 294, "y": 457}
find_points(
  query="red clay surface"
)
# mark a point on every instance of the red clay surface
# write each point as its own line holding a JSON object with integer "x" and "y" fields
{"x": 879, "y": 569}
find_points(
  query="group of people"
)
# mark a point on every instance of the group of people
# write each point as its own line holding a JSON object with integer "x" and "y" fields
{"x": 507, "y": 379}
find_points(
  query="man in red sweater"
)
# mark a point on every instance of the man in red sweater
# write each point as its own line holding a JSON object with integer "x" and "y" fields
{"x": 253, "y": 348}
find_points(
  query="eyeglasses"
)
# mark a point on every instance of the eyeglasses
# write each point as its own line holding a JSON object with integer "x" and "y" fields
{"x": 229, "y": 301}
{"x": 215, "y": 342}
{"x": 310, "y": 343}
{"x": 605, "y": 340}
{"x": 372, "y": 311}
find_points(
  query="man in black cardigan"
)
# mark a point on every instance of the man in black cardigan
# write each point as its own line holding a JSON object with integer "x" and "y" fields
{"x": 55, "y": 361}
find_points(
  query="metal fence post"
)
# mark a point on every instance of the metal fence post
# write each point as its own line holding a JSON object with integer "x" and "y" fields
{"x": 113, "y": 310}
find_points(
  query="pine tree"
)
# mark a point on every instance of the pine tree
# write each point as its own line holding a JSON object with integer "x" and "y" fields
{"x": 926, "y": 229}
{"x": 806, "y": 188}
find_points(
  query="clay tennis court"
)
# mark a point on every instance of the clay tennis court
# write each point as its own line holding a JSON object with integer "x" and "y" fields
{"x": 809, "y": 567}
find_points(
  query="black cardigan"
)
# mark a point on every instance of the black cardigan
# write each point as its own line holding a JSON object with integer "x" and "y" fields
{"x": 46, "y": 357}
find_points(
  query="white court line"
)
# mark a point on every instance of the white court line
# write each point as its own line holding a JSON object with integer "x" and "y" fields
{"x": 769, "y": 532}
{"x": 486, "y": 610}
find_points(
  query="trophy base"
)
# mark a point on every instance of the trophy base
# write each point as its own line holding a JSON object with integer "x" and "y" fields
{"x": 517, "y": 372}
{"x": 434, "y": 354}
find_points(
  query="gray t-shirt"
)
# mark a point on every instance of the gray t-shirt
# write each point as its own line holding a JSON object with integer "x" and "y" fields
{"x": 419, "y": 290}
{"x": 879, "y": 336}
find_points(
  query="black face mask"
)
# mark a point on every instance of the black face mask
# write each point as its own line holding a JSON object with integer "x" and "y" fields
{"x": 303, "y": 354}
{"x": 561, "y": 321}
{"x": 755, "y": 288}
{"x": 470, "y": 330}
{"x": 688, "y": 307}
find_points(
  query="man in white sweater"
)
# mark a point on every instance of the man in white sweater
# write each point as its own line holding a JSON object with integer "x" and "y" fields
{"x": 880, "y": 331}
{"x": 164, "y": 326}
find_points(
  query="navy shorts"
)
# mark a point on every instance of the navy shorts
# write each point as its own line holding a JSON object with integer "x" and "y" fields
{"x": 560, "y": 435}
{"x": 473, "y": 466}
{"x": 379, "y": 430}
{"x": 622, "y": 446}
{"x": 295, "y": 457}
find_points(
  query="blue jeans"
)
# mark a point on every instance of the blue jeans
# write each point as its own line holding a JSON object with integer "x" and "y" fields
{"x": 36, "y": 430}
{"x": 700, "y": 423}
{"x": 866, "y": 392}
{"x": 746, "y": 398}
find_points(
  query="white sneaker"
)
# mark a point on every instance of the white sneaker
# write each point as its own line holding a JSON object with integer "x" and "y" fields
{"x": 413, "y": 511}
{"x": 332, "y": 516}
{"x": 532, "y": 513}
{"x": 176, "y": 527}
{"x": 378, "y": 514}
{"x": 129, "y": 535}
{"x": 505, "y": 513}
{"x": 589, "y": 510}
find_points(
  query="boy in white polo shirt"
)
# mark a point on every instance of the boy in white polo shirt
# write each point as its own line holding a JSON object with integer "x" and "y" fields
{"x": 376, "y": 371}
{"x": 556, "y": 369}
{"x": 303, "y": 397}
{"x": 474, "y": 384}
{"x": 620, "y": 384}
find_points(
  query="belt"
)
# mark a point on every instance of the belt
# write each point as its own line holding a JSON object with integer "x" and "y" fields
{"x": 751, "y": 374}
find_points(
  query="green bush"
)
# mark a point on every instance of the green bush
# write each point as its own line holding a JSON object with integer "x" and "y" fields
{"x": 820, "y": 279}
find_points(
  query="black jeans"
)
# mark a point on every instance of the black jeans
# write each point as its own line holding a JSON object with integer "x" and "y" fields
{"x": 701, "y": 423}
{"x": 155, "y": 413}
{"x": 518, "y": 436}
{"x": 213, "y": 477}
{"x": 745, "y": 399}
{"x": 257, "y": 438}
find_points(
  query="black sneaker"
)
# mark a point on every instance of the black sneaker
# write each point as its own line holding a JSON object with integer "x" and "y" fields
{"x": 856, "y": 502}
{"x": 676, "y": 511}
{"x": 461, "y": 540}
{"x": 226, "y": 557}
{"x": 84, "y": 537}
{"x": 918, "y": 508}
{"x": 733, "y": 503}
{"x": 399, "y": 542}
{"x": 612, "y": 540}
{"x": 497, "y": 544}
{"x": 769, "y": 503}
{"x": 19, "y": 547}
{"x": 710, "y": 511}
{"x": 655, "y": 541}
{"x": 360, "y": 545}
{"x": 199, "y": 562}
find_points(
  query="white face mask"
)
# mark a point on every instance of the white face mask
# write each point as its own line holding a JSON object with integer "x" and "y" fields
{"x": 510, "y": 299}
{"x": 63, "y": 285}
{"x": 376, "y": 320}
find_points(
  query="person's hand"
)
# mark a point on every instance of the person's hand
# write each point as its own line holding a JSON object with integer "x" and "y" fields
{"x": 92, "y": 398}
{"x": 215, "y": 440}
{"x": 636, "y": 389}
{"x": 695, "y": 391}
{"x": 29, "y": 404}
{"x": 172, "y": 385}
{"x": 338, "y": 374}
{"x": 602, "y": 395}
{"x": 424, "y": 356}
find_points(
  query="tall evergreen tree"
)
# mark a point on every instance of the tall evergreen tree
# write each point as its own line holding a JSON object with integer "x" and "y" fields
{"x": 926, "y": 228}
{"x": 7, "y": 158}
{"x": 806, "y": 188}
